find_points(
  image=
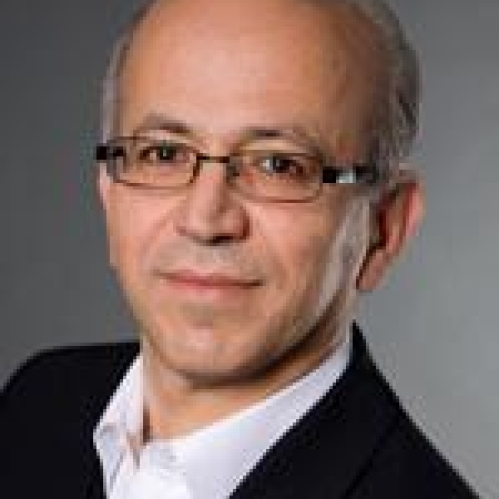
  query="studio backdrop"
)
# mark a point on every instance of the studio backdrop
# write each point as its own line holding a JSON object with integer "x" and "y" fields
{"x": 433, "y": 327}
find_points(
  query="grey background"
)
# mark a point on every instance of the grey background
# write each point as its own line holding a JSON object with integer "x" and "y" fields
{"x": 432, "y": 327}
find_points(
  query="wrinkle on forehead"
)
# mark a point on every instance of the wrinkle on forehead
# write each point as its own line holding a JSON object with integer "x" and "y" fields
{"x": 216, "y": 37}
{"x": 237, "y": 18}
{"x": 281, "y": 22}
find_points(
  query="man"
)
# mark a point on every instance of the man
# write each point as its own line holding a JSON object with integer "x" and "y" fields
{"x": 251, "y": 180}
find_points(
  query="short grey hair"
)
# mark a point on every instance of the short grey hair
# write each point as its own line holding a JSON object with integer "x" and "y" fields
{"x": 398, "y": 127}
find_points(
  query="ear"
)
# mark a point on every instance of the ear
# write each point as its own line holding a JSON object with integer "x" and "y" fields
{"x": 396, "y": 217}
{"x": 103, "y": 183}
{"x": 104, "y": 189}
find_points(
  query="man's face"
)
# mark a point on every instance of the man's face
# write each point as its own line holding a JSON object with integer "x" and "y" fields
{"x": 224, "y": 286}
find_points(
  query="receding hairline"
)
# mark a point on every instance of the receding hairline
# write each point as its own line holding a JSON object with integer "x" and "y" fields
{"x": 125, "y": 43}
{"x": 147, "y": 9}
{"x": 403, "y": 94}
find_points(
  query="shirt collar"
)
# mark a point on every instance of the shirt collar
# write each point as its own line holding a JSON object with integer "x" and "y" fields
{"x": 215, "y": 458}
{"x": 120, "y": 427}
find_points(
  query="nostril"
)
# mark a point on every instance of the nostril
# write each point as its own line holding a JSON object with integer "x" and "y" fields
{"x": 218, "y": 239}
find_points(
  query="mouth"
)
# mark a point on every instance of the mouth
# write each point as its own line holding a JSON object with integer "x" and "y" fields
{"x": 209, "y": 285}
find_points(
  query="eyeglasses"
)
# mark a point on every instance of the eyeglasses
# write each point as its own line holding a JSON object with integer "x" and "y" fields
{"x": 261, "y": 174}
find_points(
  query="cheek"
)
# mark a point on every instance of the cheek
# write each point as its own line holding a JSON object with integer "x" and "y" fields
{"x": 300, "y": 240}
{"x": 344, "y": 256}
{"x": 320, "y": 250}
{"x": 131, "y": 227}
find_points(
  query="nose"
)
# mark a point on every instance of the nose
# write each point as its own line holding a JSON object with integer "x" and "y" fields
{"x": 210, "y": 213}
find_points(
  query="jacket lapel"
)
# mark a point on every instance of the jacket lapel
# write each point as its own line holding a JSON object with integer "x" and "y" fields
{"x": 324, "y": 454}
{"x": 95, "y": 483}
{"x": 117, "y": 362}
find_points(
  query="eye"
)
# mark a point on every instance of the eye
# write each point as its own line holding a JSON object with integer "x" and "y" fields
{"x": 283, "y": 164}
{"x": 164, "y": 153}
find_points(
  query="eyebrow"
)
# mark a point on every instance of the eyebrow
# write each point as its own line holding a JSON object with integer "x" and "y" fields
{"x": 294, "y": 132}
{"x": 158, "y": 122}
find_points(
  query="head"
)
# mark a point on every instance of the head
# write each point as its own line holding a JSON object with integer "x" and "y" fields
{"x": 223, "y": 286}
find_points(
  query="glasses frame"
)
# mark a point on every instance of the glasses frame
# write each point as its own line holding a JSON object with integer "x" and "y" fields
{"x": 357, "y": 173}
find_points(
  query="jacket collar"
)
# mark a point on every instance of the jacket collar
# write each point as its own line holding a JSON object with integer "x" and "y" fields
{"x": 325, "y": 453}
{"x": 322, "y": 456}
{"x": 118, "y": 360}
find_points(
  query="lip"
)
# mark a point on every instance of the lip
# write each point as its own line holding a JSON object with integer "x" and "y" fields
{"x": 209, "y": 283}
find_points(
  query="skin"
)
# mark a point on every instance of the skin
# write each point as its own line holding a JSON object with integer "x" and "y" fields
{"x": 234, "y": 297}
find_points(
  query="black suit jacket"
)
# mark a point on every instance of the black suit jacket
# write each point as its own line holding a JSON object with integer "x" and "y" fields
{"x": 357, "y": 442}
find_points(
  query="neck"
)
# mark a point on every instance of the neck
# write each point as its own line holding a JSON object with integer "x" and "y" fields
{"x": 176, "y": 404}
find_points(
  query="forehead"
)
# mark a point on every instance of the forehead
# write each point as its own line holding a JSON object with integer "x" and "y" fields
{"x": 220, "y": 62}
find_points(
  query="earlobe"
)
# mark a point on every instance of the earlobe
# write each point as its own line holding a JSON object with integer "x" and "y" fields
{"x": 396, "y": 220}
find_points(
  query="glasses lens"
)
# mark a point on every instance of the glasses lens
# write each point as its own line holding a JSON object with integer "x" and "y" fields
{"x": 159, "y": 163}
{"x": 278, "y": 175}
{"x": 154, "y": 163}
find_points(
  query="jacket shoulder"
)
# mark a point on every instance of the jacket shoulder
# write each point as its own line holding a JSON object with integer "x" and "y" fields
{"x": 61, "y": 376}
{"x": 48, "y": 412}
{"x": 357, "y": 443}
{"x": 406, "y": 464}
{"x": 76, "y": 358}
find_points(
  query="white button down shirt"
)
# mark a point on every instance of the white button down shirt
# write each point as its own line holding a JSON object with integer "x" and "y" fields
{"x": 210, "y": 462}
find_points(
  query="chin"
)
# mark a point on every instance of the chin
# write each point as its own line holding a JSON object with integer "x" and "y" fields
{"x": 207, "y": 356}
